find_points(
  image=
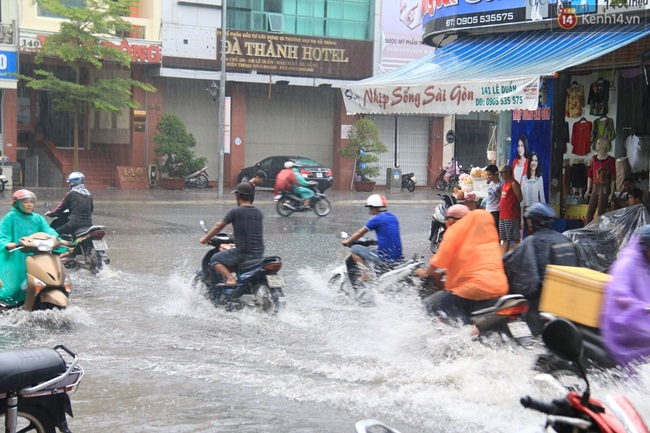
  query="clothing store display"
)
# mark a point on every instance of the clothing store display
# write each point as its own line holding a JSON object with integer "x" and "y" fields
{"x": 602, "y": 127}
{"x": 581, "y": 137}
{"x": 532, "y": 191}
{"x": 598, "y": 97}
{"x": 601, "y": 172}
{"x": 575, "y": 100}
{"x": 623, "y": 171}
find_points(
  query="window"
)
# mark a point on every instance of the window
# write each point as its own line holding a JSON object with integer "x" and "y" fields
{"x": 73, "y": 3}
{"x": 347, "y": 19}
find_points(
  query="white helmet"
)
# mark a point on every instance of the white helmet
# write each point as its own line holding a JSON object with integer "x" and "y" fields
{"x": 376, "y": 200}
{"x": 288, "y": 164}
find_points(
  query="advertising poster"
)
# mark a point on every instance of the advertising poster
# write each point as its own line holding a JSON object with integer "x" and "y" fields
{"x": 534, "y": 129}
{"x": 401, "y": 38}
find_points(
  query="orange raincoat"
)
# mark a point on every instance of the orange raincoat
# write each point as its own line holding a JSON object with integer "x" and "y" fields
{"x": 471, "y": 255}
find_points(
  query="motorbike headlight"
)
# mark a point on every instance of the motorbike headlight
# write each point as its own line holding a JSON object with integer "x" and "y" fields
{"x": 44, "y": 244}
{"x": 413, "y": 179}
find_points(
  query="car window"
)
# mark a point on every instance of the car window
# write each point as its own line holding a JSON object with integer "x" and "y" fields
{"x": 305, "y": 161}
{"x": 266, "y": 163}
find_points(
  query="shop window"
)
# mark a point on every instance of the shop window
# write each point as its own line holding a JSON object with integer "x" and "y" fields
{"x": 276, "y": 22}
{"x": 135, "y": 32}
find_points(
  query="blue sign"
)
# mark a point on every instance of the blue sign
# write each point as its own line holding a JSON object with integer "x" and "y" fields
{"x": 8, "y": 65}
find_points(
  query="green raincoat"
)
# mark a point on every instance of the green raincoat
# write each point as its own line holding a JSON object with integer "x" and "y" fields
{"x": 13, "y": 271}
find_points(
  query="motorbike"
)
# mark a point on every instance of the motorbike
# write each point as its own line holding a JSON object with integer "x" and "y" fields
{"x": 48, "y": 284}
{"x": 35, "y": 388}
{"x": 198, "y": 179}
{"x": 258, "y": 284}
{"x": 594, "y": 355}
{"x": 578, "y": 411}
{"x": 3, "y": 181}
{"x": 345, "y": 278}
{"x": 88, "y": 246}
{"x": 286, "y": 203}
{"x": 442, "y": 184}
{"x": 438, "y": 226}
{"x": 408, "y": 182}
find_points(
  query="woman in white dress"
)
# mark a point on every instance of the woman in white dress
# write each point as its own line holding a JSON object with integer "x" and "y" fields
{"x": 520, "y": 163}
{"x": 532, "y": 186}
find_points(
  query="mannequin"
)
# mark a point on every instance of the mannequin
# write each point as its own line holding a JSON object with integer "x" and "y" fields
{"x": 601, "y": 182}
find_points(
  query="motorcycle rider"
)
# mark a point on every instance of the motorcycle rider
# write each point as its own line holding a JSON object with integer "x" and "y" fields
{"x": 79, "y": 204}
{"x": 20, "y": 221}
{"x": 389, "y": 242}
{"x": 471, "y": 257}
{"x": 625, "y": 316}
{"x": 248, "y": 228}
{"x": 525, "y": 265}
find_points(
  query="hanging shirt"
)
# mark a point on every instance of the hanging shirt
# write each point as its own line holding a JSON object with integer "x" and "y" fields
{"x": 603, "y": 127}
{"x": 633, "y": 146}
{"x": 575, "y": 100}
{"x": 598, "y": 97}
{"x": 581, "y": 137}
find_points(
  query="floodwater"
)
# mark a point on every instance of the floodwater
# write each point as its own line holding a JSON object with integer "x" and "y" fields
{"x": 160, "y": 358}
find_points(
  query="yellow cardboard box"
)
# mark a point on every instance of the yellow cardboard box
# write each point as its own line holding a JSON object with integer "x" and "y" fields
{"x": 574, "y": 293}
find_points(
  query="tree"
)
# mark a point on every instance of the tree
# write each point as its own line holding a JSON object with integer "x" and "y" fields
{"x": 174, "y": 145}
{"x": 81, "y": 43}
{"x": 365, "y": 146}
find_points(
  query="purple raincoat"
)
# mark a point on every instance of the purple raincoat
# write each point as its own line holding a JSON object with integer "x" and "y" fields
{"x": 625, "y": 316}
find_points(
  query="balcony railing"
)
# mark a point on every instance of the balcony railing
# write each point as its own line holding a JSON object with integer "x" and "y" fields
{"x": 7, "y": 34}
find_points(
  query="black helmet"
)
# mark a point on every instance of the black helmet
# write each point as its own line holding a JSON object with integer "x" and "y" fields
{"x": 541, "y": 214}
{"x": 644, "y": 235}
{"x": 244, "y": 189}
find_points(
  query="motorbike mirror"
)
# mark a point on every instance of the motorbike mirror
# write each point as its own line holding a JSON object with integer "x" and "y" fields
{"x": 344, "y": 235}
{"x": 563, "y": 339}
{"x": 203, "y": 226}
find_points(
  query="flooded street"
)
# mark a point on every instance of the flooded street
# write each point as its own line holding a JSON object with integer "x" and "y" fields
{"x": 159, "y": 357}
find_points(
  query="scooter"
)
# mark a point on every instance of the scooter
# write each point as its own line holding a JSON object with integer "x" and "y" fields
{"x": 258, "y": 284}
{"x": 3, "y": 180}
{"x": 35, "y": 388}
{"x": 579, "y": 412}
{"x": 408, "y": 182}
{"x": 88, "y": 246}
{"x": 438, "y": 226}
{"x": 286, "y": 203}
{"x": 198, "y": 179}
{"x": 345, "y": 278}
{"x": 48, "y": 284}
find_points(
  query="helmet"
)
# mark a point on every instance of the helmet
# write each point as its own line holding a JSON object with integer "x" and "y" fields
{"x": 456, "y": 211}
{"x": 244, "y": 188}
{"x": 22, "y": 194}
{"x": 376, "y": 200}
{"x": 541, "y": 214}
{"x": 288, "y": 164}
{"x": 76, "y": 178}
{"x": 644, "y": 235}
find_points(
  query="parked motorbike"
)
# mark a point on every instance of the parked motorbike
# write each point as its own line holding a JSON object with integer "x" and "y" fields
{"x": 258, "y": 284}
{"x": 345, "y": 278}
{"x": 438, "y": 226}
{"x": 35, "y": 388}
{"x": 3, "y": 181}
{"x": 453, "y": 182}
{"x": 580, "y": 412}
{"x": 48, "y": 284}
{"x": 87, "y": 249}
{"x": 408, "y": 182}
{"x": 198, "y": 179}
{"x": 286, "y": 203}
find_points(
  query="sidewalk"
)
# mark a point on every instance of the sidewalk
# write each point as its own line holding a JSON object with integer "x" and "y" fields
{"x": 124, "y": 196}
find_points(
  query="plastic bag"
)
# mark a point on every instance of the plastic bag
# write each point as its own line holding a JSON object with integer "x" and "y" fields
{"x": 600, "y": 241}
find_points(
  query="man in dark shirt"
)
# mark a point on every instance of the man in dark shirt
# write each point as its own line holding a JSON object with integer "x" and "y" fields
{"x": 248, "y": 228}
{"x": 79, "y": 206}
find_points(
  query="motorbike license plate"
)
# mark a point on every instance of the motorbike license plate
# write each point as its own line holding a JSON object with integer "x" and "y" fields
{"x": 100, "y": 245}
{"x": 519, "y": 329}
{"x": 275, "y": 281}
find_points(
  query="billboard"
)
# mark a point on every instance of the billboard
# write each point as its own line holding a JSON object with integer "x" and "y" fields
{"x": 442, "y": 16}
{"x": 401, "y": 33}
{"x": 8, "y": 66}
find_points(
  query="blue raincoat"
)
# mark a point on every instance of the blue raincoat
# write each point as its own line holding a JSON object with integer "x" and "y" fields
{"x": 13, "y": 271}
